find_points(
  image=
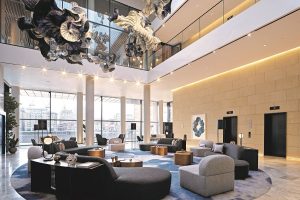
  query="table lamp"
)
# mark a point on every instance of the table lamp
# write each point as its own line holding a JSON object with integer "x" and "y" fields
{"x": 47, "y": 141}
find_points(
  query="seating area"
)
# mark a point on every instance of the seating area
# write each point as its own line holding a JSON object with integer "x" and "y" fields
{"x": 149, "y": 99}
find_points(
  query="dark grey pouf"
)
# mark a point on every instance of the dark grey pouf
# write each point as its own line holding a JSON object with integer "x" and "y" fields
{"x": 241, "y": 169}
{"x": 143, "y": 183}
{"x": 146, "y": 147}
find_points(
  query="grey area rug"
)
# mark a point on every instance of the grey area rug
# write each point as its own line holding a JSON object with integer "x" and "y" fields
{"x": 256, "y": 185}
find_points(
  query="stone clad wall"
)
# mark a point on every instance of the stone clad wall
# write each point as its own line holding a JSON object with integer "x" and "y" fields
{"x": 249, "y": 92}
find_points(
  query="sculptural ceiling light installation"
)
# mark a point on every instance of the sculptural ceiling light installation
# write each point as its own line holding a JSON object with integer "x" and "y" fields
{"x": 141, "y": 36}
{"x": 65, "y": 34}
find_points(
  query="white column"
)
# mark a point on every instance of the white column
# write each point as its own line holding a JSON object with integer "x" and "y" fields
{"x": 80, "y": 117}
{"x": 147, "y": 103}
{"x": 15, "y": 92}
{"x": 1, "y": 88}
{"x": 123, "y": 115}
{"x": 160, "y": 116}
{"x": 89, "y": 110}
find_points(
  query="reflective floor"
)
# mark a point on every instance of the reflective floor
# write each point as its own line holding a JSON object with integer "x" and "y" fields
{"x": 285, "y": 176}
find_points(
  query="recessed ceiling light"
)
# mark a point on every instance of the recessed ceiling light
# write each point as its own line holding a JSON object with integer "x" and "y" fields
{"x": 265, "y": 45}
{"x": 124, "y": 81}
{"x": 163, "y": 25}
{"x": 156, "y": 59}
{"x": 138, "y": 83}
{"x": 111, "y": 79}
{"x": 23, "y": 67}
{"x": 141, "y": 66}
{"x": 141, "y": 61}
{"x": 64, "y": 72}
{"x": 44, "y": 69}
{"x": 96, "y": 77}
{"x": 80, "y": 74}
{"x": 214, "y": 51}
{"x": 249, "y": 34}
{"x": 158, "y": 79}
{"x": 133, "y": 59}
{"x": 171, "y": 73}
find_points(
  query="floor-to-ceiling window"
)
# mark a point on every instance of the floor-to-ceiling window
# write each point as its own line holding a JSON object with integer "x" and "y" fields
{"x": 168, "y": 111}
{"x": 111, "y": 115}
{"x": 154, "y": 118}
{"x": 133, "y": 115}
{"x": 35, "y": 105}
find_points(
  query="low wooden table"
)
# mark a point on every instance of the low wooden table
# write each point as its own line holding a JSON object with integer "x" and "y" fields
{"x": 131, "y": 163}
{"x": 161, "y": 150}
{"x": 183, "y": 158}
{"x": 153, "y": 149}
{"x": 97, "y": 152}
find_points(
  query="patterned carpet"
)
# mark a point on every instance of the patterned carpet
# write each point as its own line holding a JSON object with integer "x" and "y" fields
{"x": 256, "y": 185}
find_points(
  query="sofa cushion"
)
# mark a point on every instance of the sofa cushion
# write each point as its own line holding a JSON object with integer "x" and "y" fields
{"x": 218, "y": 148}
{"x": 234, "y": 151}
{"x": 206, "y": 143}
{"x": 165, "y": 141}
{"x": 216, "y": 164}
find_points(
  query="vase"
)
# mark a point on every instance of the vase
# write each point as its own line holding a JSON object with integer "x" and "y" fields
{"x": 12, "y": 150}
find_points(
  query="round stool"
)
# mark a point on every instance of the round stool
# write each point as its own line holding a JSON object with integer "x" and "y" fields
{"x": 34, "y": 153}
{"x": 241, "y": 169}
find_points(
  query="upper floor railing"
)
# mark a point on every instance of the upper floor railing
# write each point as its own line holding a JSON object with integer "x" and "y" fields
{"x": 98, "y": 12}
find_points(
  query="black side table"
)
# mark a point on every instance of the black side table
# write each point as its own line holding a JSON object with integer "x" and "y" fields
{"x": 251, "y": 156}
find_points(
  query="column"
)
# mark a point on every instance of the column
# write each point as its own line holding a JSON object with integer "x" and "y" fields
{"x": 161, "y": 116}
{"x": 89, "y": 130}
{"x": 15, "y": 92}
{"x": 80, "y": 117}
{"x": 147, "y": 103}
{"x": 123, "y": 115}
{"x": 1, "y": 89}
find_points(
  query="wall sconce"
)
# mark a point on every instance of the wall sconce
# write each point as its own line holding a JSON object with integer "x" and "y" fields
{"x": 241, "y": 135}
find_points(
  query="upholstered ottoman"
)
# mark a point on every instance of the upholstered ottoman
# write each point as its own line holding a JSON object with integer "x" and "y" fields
{"x": 145, "y": 147}
{"x": 241, "y": 169}
{"x": 142, "y": 183}
{"x": 34, "y": 153}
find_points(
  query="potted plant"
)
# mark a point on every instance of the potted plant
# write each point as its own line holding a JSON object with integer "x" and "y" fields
{"x": 10, "y": 105}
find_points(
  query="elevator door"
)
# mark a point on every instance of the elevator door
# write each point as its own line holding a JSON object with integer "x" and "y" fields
{"x": 230, "y": 129}
{"x": 275, "y": 134}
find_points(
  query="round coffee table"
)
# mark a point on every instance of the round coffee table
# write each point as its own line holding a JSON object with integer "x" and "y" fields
{"x": 131, "y": 163}
{"x": 161, "y": 150}
{"x": 97, "y": 152}
{"x": 183, "y": 158}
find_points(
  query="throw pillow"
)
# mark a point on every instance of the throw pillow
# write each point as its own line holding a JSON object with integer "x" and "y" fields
{"x": 218, "y": 148}
{"x": 202, "y": 145}
{"x": 116, "y": 141}
{"x": 174, "y": 142}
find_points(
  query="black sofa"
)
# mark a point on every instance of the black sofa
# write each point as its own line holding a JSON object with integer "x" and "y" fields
{"x": 163, "y": 142}
{"x": 138, "y": 183}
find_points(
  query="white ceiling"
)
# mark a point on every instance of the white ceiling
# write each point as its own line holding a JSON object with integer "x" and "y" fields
{"x": 139, "y": 4}
{"x": 280, "y": 36}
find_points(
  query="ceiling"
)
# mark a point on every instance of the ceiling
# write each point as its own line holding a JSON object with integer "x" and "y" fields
{"x": 139, "y": 4}
{"x": 279, "y": 36}
{"x": 191, "y": 11}
{"x": 275, "y": 38}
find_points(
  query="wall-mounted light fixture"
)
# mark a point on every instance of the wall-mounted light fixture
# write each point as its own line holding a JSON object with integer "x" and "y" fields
{"x": 241, "y": 135}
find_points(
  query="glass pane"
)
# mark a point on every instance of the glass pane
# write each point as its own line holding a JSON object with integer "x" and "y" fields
{"x": 97, "y": 108}
{"x": 130, "y": 133}
{"x": 34, "y": 104}
{"x": 118, "y": 41}
{"x": 102, "y": 32}
{"x": 63, "y": 106}
{"x": 111, "y": 129}
{"x": 154, "y": 111}
{"x": 97, "y": 128}
{"x": 111, "y": 108}
{"x": 26, "y": 128}
{"x": 133, "y": 110}
{"x": 165, "y": 112}
{"x": 154, "y": 128}
{"x": 64, "y": 129}
{"x": 123, "y": 10}
{"x": 81, "y": 3}
{"x": 98, "y": 11}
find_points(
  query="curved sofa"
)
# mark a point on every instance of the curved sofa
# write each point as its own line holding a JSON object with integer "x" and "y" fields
{"x": 163, "y": 142}
{"x": 138, "y": 183}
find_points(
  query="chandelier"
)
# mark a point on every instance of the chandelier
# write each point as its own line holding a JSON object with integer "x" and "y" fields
{"x": 65, "y": 34}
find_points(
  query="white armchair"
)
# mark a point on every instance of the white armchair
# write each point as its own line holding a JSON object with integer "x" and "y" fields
{"x": 116, "y": 144}
{"x": 213, "y": 175}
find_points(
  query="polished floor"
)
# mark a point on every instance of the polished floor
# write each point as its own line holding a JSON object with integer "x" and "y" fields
{"x": 285, "y": 176}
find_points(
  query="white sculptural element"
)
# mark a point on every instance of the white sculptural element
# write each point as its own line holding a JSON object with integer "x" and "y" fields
{"x": 135, "y": 23}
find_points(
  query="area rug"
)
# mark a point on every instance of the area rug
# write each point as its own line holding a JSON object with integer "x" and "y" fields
{"x": 256, "y": 185}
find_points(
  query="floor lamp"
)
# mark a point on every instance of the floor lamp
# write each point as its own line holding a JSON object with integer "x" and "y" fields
{"x": 220, "y": 127}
